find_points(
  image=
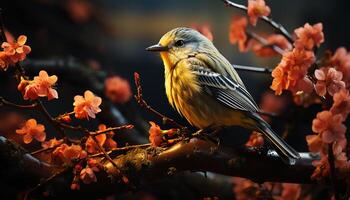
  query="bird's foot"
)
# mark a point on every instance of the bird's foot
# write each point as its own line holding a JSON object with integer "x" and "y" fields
{"x": 209, "y": 133}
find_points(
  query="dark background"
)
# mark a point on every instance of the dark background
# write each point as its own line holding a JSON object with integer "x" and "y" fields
{"x": 111, "y": 35}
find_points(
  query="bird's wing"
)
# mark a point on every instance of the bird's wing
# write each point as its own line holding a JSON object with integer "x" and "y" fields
{"x": 224, "y": 89}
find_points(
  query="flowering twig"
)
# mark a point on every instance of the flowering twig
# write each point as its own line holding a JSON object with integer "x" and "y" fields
{"x": 126, "y": 148}
{"x": 45, "y": 149}
{"x": 268, "y": 20}
{"x": 144, "y": 104}
{"x": 10, "y": 104}
{"x": 95, "y": 133}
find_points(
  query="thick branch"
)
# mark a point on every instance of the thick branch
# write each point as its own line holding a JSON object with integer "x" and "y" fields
{"x": 201, "y": 155}
{"x": 19, "y": 168}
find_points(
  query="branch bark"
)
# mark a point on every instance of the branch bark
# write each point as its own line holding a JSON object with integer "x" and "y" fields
{"x": 201, "y": 155}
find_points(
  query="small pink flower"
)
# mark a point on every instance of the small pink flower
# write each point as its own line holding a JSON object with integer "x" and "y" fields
{"x": 341, "y": 61}
{"x": 255, "y": 140}
{"x": 328, "y": 79}
{"x": 41, "y": 86}
{"x": 5, "y": 60}
{"x": 64, "y": 154}
{"x": 155, "y": 135}
{"x": 104, "y": 140}
{"x": 290, "y": 74}
{"x": 314, "y": 142}
{"x": 329, "y": 126}
{"x": 256, "y": 9}
{"x": 32, "y": 130}
{"x": 237, "y": 33}
{"x": 309, "y": 36}
{"x": 341, "y": 103}
{"x": 341, "y": 159}
{"x": 51, "y": 143}
{"x": 117, "y": 89}
{"x": 86, "y": 106}
{"x": 16, "y": 50}
{"x": 87, "y": 175}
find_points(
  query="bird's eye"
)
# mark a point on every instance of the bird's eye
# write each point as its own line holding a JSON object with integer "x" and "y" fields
{"x": 179, "y": 43}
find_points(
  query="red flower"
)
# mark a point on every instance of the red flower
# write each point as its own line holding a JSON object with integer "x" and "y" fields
{"x": 255, "y": 140}
{"x": 5, "y": 60}
{"x": 86, "y": 106}
{"x": 87, "y": 175}
{"x": 41, "y": 86}
{"x": 51, "y": 143}
{"x": 204, "y": 30}
{"x": 280, "y": 79}
{"x": 65, "y": 154}
{"x": 309, "y": 36}
{"x": 328, "y": 79}
{"x": 341, "y": 61}
{"x": 117, "y": 89}
{"x": 291, "y": 72}
{"x": 341, "y": 159}
{"x": 155, "y": 135}
{"x": 104, "y": 140}
{"x": 256, "y": 9}
{"x": 266, "y": 50}
{"x": 314, "y": 142}
{"x": 32, "y": 130}
{"x": 16, "y": 50}
{"x": 237, "y": 33}
{"x": 329, "y": 126}
{"x": 341, "y": 103}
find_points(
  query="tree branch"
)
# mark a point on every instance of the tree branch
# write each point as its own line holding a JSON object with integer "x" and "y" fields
{"x": 201, "y": 155}
{"x": 268, "y": 20}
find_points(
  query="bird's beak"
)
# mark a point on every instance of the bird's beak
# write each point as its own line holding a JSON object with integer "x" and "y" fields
{"x": 157, "y": 47}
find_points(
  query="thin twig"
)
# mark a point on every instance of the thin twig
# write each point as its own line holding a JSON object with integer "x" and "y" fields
{"x": 143, "y": 103}
{"x": 46, "y": 149}
{"x": 14, "y": 105}
{"x": 268, "y": 20}
{"x": 253, "y": 69}
{"x": 121, "y": 149}
{"x": 95, "y": 133}
{"x": 265, "y": 43}
{"x": 105, "y": 154}
{"x": 332, "y": 173}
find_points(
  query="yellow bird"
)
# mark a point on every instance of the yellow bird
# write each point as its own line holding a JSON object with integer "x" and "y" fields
{"x": 202, "y": 86}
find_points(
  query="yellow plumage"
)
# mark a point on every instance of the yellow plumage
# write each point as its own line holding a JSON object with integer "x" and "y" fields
{"x": 204, "y": 88}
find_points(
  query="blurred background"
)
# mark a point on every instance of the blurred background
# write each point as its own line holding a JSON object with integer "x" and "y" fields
{"x": 111, "y": 36}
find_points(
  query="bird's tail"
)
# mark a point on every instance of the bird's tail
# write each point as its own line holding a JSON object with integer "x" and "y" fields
{"x": 286, "y": 152}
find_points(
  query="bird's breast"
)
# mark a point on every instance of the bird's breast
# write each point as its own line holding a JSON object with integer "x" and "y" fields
{"x": 188, "y": 98}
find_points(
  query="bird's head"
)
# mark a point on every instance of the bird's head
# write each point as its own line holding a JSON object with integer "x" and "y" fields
{"x": 180, "y": 43}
